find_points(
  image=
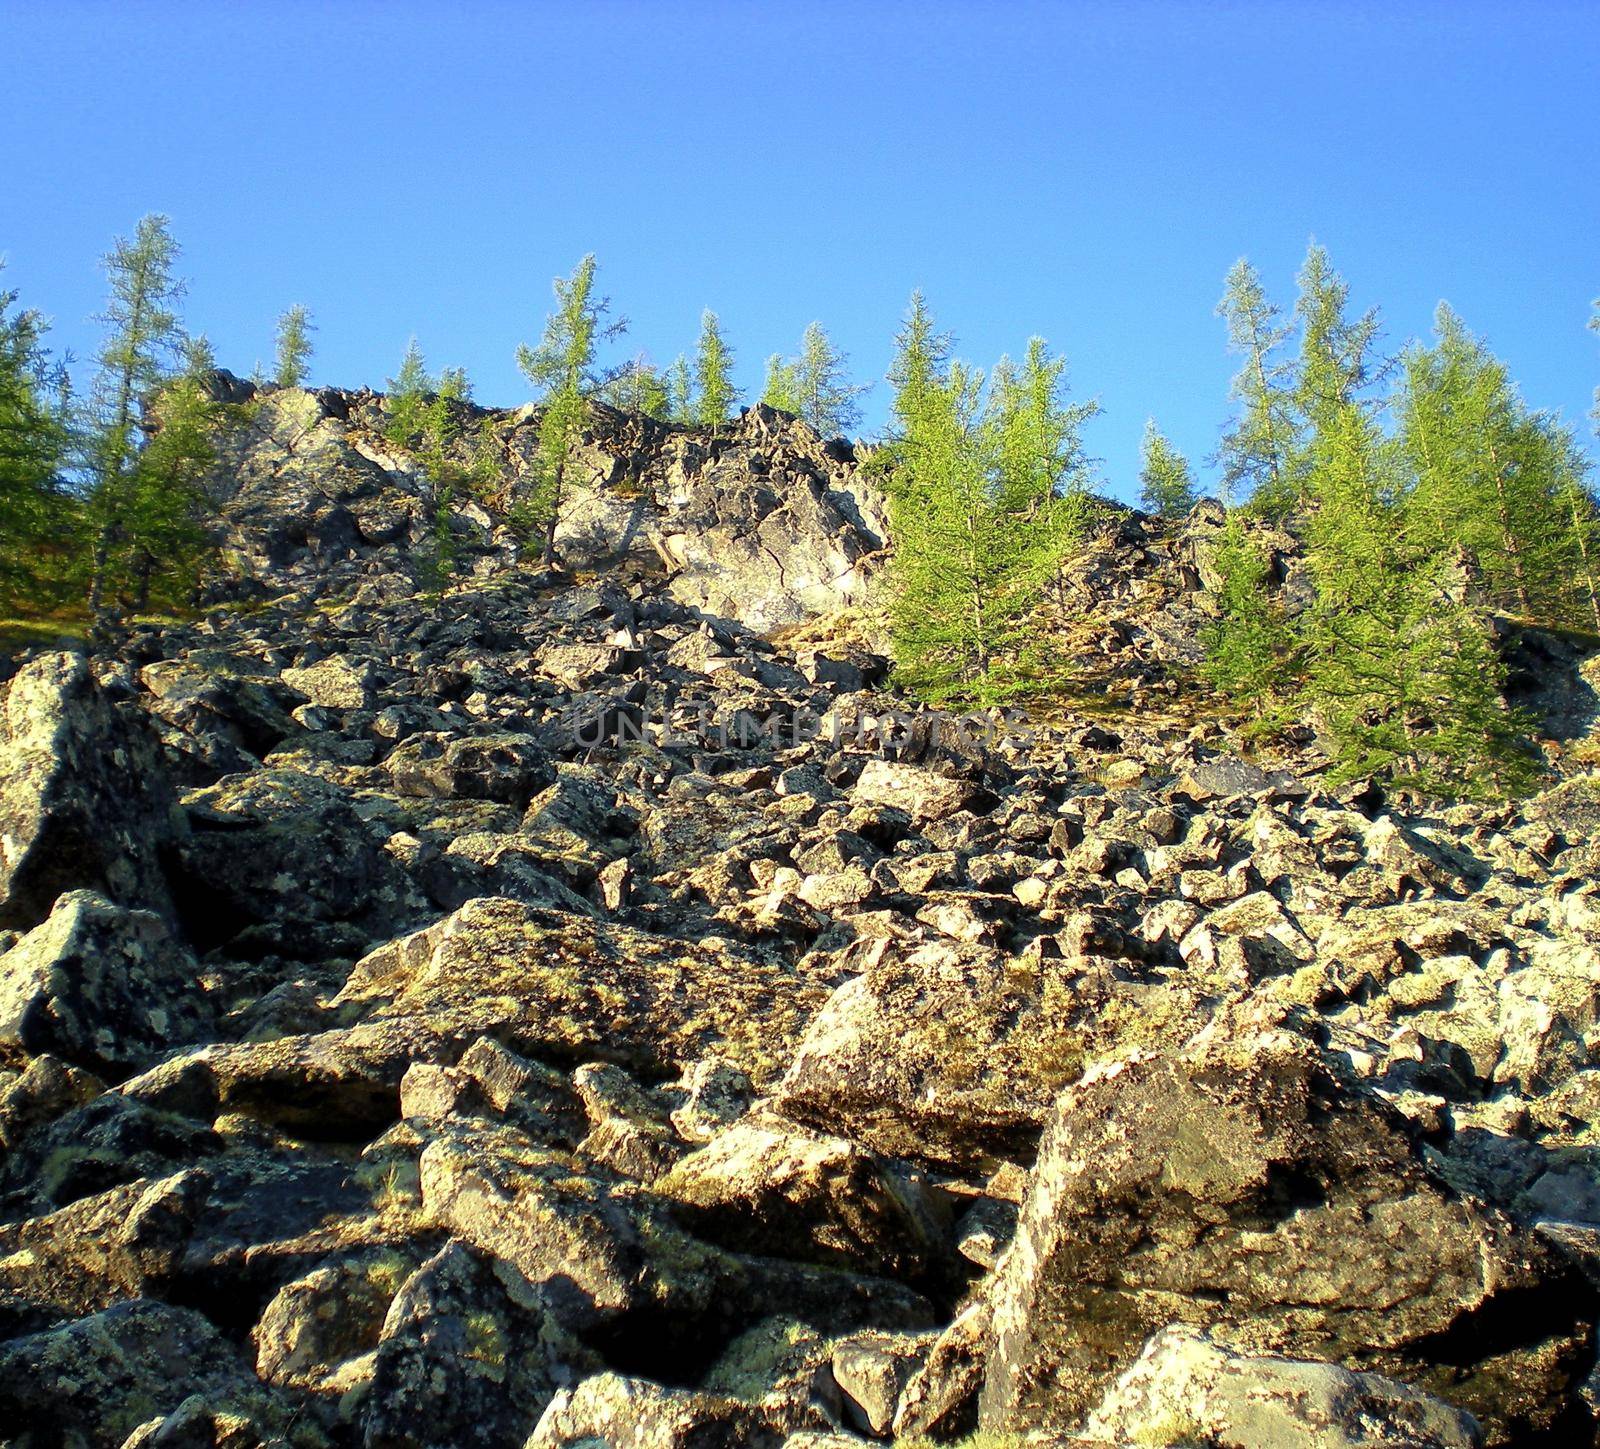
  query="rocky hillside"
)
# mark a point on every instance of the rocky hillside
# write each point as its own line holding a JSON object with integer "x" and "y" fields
{"x": 586, "y": 1008}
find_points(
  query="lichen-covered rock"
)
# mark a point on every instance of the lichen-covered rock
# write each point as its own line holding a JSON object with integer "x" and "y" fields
{"x": 84, "y": 799}
{"x": 1242, "y": 1186}
{"x": 279, "y": 862}
{"x": 630, "y": 1413}
{"x": 508, "y": 768}
{"x": 126, "y": 1242}
{"x": 766, "y": 1186}
{"x": 613, "y": 1259}
{"x": 41, "y": 1092}
{"x": 97, "y": 1379}
{"x": 951, "y": 1054}
{"x": 337, "y": 683}
{"x": 317, "y": 1326}
{"x": 100, "y": 986}
{"x": 554, "y": 985}
{"x": 1185, "y": 1387}
{"x": 468, "y": 1358}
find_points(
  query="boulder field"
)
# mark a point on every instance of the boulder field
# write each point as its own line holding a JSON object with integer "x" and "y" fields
{"x": 587, "y": 1007}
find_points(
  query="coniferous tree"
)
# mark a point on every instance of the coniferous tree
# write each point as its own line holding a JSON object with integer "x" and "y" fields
{"x": 921, "y": 356}
{"x": 827, "y": 399}
{"x": 563, "y": 368}
{"x": 1337, "y": 364}
{"x": 1488, "y": 473}
{"x": 680, "y": 392}
{"x": 781, "y": 389}
{"x": 132, "y": 511}
{"x": 1166, "y": 482}
{"x": 640, "y": 388}
{"x": 1249, "y": 648}
{"x": 1259, "y": 448}
{"x": 199, "y": 356}
{"x": 406, "y": 395}
{"x": 713, "y": 374}
{"x": 986, "y": 495}
{"x": 293, "y": 364}
{"x": 169, "y": 542}
{"x": 1402, "y": 670}
{"x": 33, "y": 443}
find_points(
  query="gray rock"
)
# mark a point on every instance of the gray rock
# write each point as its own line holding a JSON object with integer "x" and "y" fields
{"x": 100, "y": 986}
{"x": 1314, "y": 1199}
{"x": 1184, "y": 1387}
{"x": 84, "y": 798}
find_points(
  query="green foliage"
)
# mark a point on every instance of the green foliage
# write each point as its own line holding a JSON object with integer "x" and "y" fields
{"x": 640, "y": 388}
{"x": 921, "y": 356}
{"x": 145, "y": 511}
{"x": 406, "y": 396}
{"x": 432, "y": 417}
{"x": 33, "y": 446}
{"x": 293, "y": 363}
{"x": 1257, "y": 451}
{"x": 199, "y": 356}
{"x": 986, "y": 498}
{"x": 680, "y": 391}
{"x": 815, "y": 385}
{"x": 1250, "y": 647}
{"x": 781, "y": 389}
{"x": 715, "y": 394}
{"x": 1489, "y": 474}
{"x": 563, "y": 368}
{"x": 1166, "y": 482}
{"x": 1402, "y": 670}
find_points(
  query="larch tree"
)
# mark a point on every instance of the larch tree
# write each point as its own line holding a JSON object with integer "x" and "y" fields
{"x": 715, "y": 393}
{"x": 680, "y": 392}
{"x": 1258, "y": 449}
{"x": 1487, "y": 472}
{"x": 1338, "y": 363}
{"x": 1402, "y": 673}
{"x": 827, "y": 399}
{"x": 33, "y": 444}
{"x": 640, "y": 388}
{"x": 1166, "y": 482}
{"x": 781, "y": 387}
{"x": 1249, "y": 647}
{"x": 986, "y": 495}
{"x": 921, "y": 357}
{"x": 563, "y": 368}
{"x": 293, "y": 365}
{"x": 131, "y": 511}
{"x": 406, "y": 395}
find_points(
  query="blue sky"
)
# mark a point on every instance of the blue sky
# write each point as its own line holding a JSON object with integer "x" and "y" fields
{"x": 1084, "y": 171}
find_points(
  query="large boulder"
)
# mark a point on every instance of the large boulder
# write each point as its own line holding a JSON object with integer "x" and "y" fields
{"x": 1185, "y": 1387}
{"x": 569, "y": 989}
{"x": 84, "y": 800}
{"x": 97, "y": 1379}
{"x": 614, "y": 1262}
{"x": 765, "y": 1186}
{"x": 279, "y": 862}
{"x": 100, "y": 986}
{"x": 1242, "y": 1186}
{"x": 952, "y": 1054}
{"x": 468, "y": 1355}
{"x": 627, "y": 1413}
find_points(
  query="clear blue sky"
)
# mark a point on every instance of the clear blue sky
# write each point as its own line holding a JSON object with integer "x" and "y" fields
{"x": 1084, "y": 171}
